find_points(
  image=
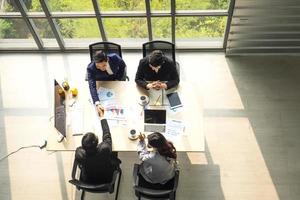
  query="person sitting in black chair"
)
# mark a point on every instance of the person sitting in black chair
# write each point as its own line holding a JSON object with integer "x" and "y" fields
{"x": 104, "y": 67}
{"x": 158, "y": 69}
{"x": 96, "y": 161}
{"x": 158, "y": 166}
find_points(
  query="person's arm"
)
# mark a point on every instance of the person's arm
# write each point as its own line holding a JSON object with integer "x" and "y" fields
{"x": 92, "y": 85}
{"x": 106, "y": 132}
{"x": 143, "y": 153}
{"x": 174, "y": 77}
{"x": 122, "y": 66}
{"x": 139, "y": 77}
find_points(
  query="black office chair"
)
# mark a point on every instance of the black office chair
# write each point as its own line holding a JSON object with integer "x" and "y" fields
{"x": 153, "y": 194}
{"x": 167, "y": 48}
{"x": 96, "y": 188}
{"x": 108, "y": 48}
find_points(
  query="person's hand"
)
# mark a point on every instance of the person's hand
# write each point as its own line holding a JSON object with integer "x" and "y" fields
{"x": 159, "y": 85}
{"x": 151, "y": 85}
{"x": 163, "y": 86}
{"x": 100, "y": 110}
{"x": 142, "y": 137}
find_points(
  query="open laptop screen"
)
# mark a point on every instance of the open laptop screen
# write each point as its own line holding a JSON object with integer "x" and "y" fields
{"x": 155, "y": 116}
{"x": 59, "y": 110}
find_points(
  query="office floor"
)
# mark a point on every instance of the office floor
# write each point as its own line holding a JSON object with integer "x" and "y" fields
{"x": 251, "y": 121}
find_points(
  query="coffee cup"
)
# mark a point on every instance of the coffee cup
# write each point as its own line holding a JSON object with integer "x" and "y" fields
{"x": 144, "y": 100}
{"x": 132, "y": 132}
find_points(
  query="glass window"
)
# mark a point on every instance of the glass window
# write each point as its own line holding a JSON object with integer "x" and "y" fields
{"x": 15, "y": 34}
{"x": 201, "y": 4}
{"x": 79, "y": 32}
{"x": 33, "y": 6}
{"x": 8, "y": 6}
{"x": 70, "y": 5}
{"x": 45, "y": 32}
{"x": 193, "y": 29}
{"x": 14, "y": 28}
{"x": 160, "y": 5}
{"x": 161, "y": 28}
{"x": 134, "y": 30}
{"x": 124, "y": 5}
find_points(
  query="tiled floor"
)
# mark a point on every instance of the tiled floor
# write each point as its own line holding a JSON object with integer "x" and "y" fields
{"x": 251, "y": 122}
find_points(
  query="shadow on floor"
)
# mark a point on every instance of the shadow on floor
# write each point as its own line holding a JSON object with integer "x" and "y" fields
{"x": 269, "y": 88}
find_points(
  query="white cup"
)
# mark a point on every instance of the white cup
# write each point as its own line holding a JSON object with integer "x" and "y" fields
{"x": 144, "y": 100}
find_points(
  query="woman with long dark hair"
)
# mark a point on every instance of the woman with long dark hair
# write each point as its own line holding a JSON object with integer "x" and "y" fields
{"x": 158, "y": 165}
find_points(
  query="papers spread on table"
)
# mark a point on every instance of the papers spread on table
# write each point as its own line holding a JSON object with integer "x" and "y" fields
{"x": 106, "y": 94}
{"x": 113, "y": 112}
{"x": 173, "y": 129}
{"x": 77, "y": 119}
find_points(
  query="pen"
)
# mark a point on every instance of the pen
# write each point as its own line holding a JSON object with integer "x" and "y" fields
{"x": 157, "y": 99}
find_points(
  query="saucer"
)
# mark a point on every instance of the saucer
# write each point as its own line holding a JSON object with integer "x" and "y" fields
{"x": 133, "y": 137}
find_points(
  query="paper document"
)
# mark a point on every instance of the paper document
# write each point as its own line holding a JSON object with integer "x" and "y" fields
{"x": 155, "y": 97}
{"x": 77, "y": 121}
{"x": 115, "y": 112}
{"x": 174, "y": 128}
{"x": 105, "y": 94}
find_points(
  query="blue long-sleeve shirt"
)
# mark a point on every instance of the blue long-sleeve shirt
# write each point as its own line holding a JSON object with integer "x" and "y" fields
{"x": 117, "y": 66}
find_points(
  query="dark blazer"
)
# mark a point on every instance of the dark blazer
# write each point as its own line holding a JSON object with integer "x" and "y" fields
{"x": 167, "y": 73}
{"x": 98, "y": 166}
{"x": 117, "y": 66}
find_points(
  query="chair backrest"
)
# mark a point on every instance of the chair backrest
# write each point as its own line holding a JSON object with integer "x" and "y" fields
{"x": 97, "y": 188}
{"x": 167, "y": 48}
{"x": 107, "y": 47}
{"x": 154, "y": 193}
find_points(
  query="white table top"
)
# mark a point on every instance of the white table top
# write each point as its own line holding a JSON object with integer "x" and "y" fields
{"x": 127, "y": 96}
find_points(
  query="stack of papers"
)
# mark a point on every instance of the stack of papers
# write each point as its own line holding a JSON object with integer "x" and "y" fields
{"x": 173, "y": 129}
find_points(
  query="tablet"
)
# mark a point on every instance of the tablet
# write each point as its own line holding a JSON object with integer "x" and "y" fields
{"x": 174, "y": 100}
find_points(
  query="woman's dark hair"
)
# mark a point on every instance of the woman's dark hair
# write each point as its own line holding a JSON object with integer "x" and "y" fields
{"x": 89, "y": 142}
{"x": 163, "y": 146}
{"x": 156, "y": 58}
{"x": 100, "y": 56}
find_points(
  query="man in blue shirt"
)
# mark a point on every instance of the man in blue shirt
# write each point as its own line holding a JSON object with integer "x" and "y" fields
{"x": 104, "y": 67}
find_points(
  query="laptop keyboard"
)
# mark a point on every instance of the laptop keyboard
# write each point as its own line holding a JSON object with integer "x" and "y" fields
{"x": 154, "y": 128}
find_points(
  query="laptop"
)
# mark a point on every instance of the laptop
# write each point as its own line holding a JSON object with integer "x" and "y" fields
{"x": 155, "y": 120}
{"x": 59, "y": 111}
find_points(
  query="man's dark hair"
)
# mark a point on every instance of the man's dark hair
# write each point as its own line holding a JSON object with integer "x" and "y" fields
{"x": 89, "y": 142}
{"x": 100, "y": 56}
{"x": 156, "y": 58}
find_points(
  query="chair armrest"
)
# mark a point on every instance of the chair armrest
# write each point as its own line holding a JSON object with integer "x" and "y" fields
{"x": 75, "y": 165}
{"x": 177, "y": 68}
{"x": 114, "y": 178}
{"x": 135, "y": 172}
{"x": 176, "y": 180}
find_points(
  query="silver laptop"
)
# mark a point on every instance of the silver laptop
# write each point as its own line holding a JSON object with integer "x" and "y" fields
{"x": 155, "y": 120}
